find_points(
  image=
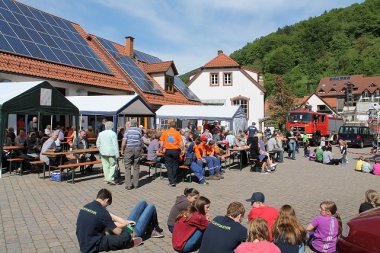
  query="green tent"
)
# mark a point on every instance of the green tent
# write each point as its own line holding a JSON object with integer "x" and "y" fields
{"x": 33, "y": 98}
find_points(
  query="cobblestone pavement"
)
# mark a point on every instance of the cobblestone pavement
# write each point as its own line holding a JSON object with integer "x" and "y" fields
{"x": 39, "y": 215}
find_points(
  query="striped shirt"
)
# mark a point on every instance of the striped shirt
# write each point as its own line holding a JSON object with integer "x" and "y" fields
{"x": 133, "y": 137}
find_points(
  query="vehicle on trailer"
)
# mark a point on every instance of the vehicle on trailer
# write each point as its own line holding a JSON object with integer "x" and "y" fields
{"x": 315, "y": 125}
{"x": 358, "y": 136}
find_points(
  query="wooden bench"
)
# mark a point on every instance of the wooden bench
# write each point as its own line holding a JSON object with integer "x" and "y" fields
{"x": 187, "y": 171}
{"x": 16, "y": 159}
{"x": 72, "y": 166}
{"x": 225, "y": 160}
{"x": 255, "y": 164}
{"x": 151, "y": 164}
{"x": 37, "y": 163}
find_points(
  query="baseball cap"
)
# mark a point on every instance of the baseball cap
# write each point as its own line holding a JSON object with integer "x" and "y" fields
{"x": 203, "y": 138}
{"x": 257, "y": 197}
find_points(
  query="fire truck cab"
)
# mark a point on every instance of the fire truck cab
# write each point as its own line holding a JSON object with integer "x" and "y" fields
{"x": 308, "y": 122}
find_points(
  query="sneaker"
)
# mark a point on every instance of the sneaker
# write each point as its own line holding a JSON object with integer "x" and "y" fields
{"x": 137, "y": 241}
{"x": 219, "y": 176}
{"x": 156, "y": 234}
{"x": 273, "y": 165}
{"x": 204, "y": 183}
{"x": 213, "y": 177}
{"x": 111, "y": 182}
{"x": 264, "y": 172}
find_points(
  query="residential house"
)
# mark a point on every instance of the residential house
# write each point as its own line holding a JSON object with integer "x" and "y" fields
{"x": 223, "y": 81}
{"x": 36, "y": 45}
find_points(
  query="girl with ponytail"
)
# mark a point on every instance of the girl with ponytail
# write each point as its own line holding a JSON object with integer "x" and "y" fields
{"x": 371, "y": 201}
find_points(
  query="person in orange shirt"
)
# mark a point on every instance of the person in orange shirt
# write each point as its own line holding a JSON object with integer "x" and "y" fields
{"x": 172, "y": 146}
{"x": 213, "y": 161}
{"x": 198, "y": 165}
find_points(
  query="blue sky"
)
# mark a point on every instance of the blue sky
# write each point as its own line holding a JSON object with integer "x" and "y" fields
{"x": 190, "y": 32}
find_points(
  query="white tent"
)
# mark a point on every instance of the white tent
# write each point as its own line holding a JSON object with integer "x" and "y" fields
{"x": 233, "y": 114}
{"x": 112, "y": 105}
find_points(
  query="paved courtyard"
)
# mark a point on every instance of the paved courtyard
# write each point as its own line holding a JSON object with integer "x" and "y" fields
{"x": 39, "y": 215}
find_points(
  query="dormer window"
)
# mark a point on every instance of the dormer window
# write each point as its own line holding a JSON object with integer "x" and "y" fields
{"x": 365, "y": 95}
{"x": 169, "y": 84}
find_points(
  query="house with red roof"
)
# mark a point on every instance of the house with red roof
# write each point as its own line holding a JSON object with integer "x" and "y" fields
{"x": 36, "y": 45}
{"x": 222, "y": 81}
{"x": 354, "y": 95}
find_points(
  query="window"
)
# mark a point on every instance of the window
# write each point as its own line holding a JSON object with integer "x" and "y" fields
{"x": 214, "y": 79}
{"x": 243, "y": 102}
{"x": 227, "y": 79}
{"x": 365, "y": 95}
{"x": 169, "y": 84}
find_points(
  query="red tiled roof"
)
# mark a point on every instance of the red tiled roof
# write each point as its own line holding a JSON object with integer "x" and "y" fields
{"x": 159, "y": 67}
{"x": 175, "y": 98}
{"x": 38, "y": 68}
{"x": 360, "y": 82}
{"x": 332, "y": 102}
{"x": 221, "y": 60}
{"x": 301, "y": 101}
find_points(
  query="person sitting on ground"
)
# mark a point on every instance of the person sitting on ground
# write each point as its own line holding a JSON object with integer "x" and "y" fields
{"x": 312, "y": 155}
{"x": 288, "y": 233}
{"x": 325, "y": 228}
{"x": 319, "y": 154}
{"x": 359, "y": 164}
{"x": 190, "y": 226}
{"x": 82, "y": 143}
{"x": 190, "y": 195}
{"x": 94, "y": 220}
{"x": 371, "y": 201}
{"x": 366, "y": 166}
{"x": 154, "y": 148}
{"x": 198, "y": 164}
{"x": 225, "y": 233}
{"x": 258, "y": 238}
{"x": 376, "y": 168}
{"x": 306, "y": 149}
{"x": 343, "y": 151}
{"x": 255, "y": 154}
{"x": 328, "y": 157}
{"x": 268, "y": 213}
{"x": 213, "y": 161}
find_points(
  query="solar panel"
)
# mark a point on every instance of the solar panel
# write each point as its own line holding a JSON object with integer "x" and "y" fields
{"x": 30, "y": 32}
{"x": 184, "y": 89}
{"x": 141, "y": 56}
{"x": 131, "y": 68}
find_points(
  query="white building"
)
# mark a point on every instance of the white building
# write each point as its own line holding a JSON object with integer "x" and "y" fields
{"x": 223, "y": 81}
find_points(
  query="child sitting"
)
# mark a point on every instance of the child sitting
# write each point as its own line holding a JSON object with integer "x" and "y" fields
{"x": 306, "y": 148}
{"x": 376, "y": 168}
{"x": 359, "y": 164}
{"x": 366, "y": 167}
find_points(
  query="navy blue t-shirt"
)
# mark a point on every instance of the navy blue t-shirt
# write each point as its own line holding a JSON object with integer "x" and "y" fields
{"x": 222, "y": 235}
{"x": 93, "y": 220}
{"x": 252, "y": 130}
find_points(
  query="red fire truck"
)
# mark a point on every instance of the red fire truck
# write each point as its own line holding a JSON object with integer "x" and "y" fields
{"x": 308, "y": 122}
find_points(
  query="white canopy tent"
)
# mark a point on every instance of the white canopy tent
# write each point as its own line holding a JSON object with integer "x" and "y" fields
{"x": 112, "y": 105}
{"x": 233, "y": 114}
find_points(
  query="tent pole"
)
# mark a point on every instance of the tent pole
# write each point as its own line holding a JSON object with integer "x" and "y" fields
{"x": 80, "y": 123}
{"x": 115, "y": 123}
{"x": 51, "y": 123}
{"x": 38, "y": 122}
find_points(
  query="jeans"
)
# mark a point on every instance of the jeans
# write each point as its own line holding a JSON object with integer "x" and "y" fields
{"x": 213, "y": 164}
{"x": 292, "y": 149}
{"x": 194, "y": 242}
{"x": 172, "y": 163}
{"x": 115, "y": 242}
{"x": 198, "y": 169}
{"x": 145, "y": 216}
{"x": 280, "y": 154}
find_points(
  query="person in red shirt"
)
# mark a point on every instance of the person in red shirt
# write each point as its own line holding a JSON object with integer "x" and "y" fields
{"x": 268, "y": 213}
{"x": 172, "y": 145}
{"x": 190, "y": 226}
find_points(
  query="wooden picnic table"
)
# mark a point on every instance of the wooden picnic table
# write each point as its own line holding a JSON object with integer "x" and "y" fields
{"x": 11, "y": 149}
{"x": 240, "y": 150}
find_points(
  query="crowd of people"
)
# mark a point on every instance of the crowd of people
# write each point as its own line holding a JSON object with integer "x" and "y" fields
{"x": 193, "y": 229}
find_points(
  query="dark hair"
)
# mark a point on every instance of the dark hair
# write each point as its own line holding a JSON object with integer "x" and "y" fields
{"x": 190, "y": 192}
{"x": 198, "y": 141}
{"x": 105, "y": 194}
{"x": 197, "y": 206}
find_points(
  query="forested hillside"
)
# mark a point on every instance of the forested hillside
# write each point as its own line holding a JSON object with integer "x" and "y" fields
{"x": 339, "y": 42}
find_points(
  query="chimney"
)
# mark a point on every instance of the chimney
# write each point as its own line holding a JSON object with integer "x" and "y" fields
{"x": 129, "y": 46}
{"x": 220, "y": 52}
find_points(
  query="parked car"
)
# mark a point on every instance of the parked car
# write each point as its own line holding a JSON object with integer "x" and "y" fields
{"x": 358, "y": 136}
{"x": 361, "y": 234}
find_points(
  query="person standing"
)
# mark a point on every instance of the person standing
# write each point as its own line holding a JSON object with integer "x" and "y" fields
{"x": 228, "y": 228}
{"x": 252, "y": 131}
{"x": 131, "y": 147}
{"x": 172, "y": 144}
{"x": 109, "y": 152}
{"x": 33, "y": 125}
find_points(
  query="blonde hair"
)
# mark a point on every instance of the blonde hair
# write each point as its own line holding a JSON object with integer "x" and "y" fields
{"x": 372, "y": 197}
{"x": 258, "y": 229}
{"x": 288, "y": 228}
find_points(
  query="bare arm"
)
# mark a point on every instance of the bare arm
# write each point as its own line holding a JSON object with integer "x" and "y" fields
{"x": 120, "y": 222}
{"x": 309, "y": 227}
{"x": 123, "y": 143}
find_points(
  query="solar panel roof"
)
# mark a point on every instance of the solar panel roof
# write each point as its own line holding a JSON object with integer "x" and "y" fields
{"x": 141, "y": 56}
{"x": 33, "y": 33}
{"x": 184, "y": 89}
{"x": 131, "y": 68}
